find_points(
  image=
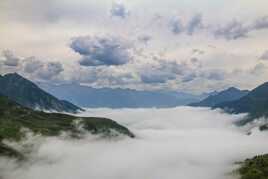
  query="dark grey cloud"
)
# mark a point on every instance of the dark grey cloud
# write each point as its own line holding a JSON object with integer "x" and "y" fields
{"x": 31, "y": 65}
{"x": 164, "y": 71}
{"x": 264, "y": 56}
{"x": 144, "y": 39}
{"x": 198, "y": 51}
{"x": 119, "y": 10}
{"x": 217, "y": 75}
{"x": 232, "y": 31}
{"x": 189, "y": 77}
{"x": 50, "y": 70}
{"x": 10, "y": 58}
{"x": 261, "y": 23}
{"x": 236, "y": 29}
{"x": 194, "y": 24}
{"x": 176, "y": 25}
{"x": 156, "y": 76}
{"x": 98, "y": 51}
{"x": 39, "y": 69}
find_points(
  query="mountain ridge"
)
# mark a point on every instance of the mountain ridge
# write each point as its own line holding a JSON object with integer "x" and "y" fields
{"x": 255, "y": 103}
{"x": 28, "y": 94}
{"x": 118, "y": 97}
{"x": 229, "y": 94}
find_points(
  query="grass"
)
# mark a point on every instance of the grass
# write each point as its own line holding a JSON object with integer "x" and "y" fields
{"x": 14, "y": 118}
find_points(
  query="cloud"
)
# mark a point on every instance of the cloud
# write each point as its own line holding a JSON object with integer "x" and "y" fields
{"x": 264, "y": 56}
{"x": 50, "y": 70}
{"x": 218, "y": 75}
{"x": 198, "y": 51}
{"x": 261, "y": 23}
{"x": 232, "y": 31}
{"x": 236, "y": 29}
{"x": 119, "y": 10}
{"x": 172, "y": 143}
{"x": 31, "y": 64}
{"x": 176, "y": 25}
{"x": 99, "y": 51}
{"x": 38, "y": 69}
{"x": 163, "y": 71}
{"x": 156, "y": 76}
{"x": 10, "y": 59}
{"x": 145, "y": 39}
{"x": 194, "y": 24}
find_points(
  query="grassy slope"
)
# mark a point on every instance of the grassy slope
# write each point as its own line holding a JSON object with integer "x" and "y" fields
{"x": 14, "y": 117}
{"x": 255, "y": 168}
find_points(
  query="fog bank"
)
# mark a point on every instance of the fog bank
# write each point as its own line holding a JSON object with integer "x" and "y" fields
{"x": 181, "y": 142}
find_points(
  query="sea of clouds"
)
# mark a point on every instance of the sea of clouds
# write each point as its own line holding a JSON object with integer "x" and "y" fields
{"x": 182, "y": 142}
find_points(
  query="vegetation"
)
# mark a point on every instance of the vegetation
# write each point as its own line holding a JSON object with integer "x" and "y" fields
{"x": 227, "y": 95}
{"x": 254, "y": 103}
{"x": 255, "y": 168}
{"x": 14, "y": 118}
{"x": 28, "y": 94}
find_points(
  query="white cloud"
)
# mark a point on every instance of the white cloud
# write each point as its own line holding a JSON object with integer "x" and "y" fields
{"x": 171, "y": 143}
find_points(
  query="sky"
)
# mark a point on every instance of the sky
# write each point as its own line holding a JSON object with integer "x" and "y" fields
{"x": 202, "y": 144}
{"x": 194, "y": 46}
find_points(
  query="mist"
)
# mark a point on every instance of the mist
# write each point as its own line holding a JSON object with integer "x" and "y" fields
{"x": 182, "y": 142}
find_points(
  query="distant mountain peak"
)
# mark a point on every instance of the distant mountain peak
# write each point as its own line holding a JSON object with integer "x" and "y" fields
{"x": 232, "y": 89}
{"x": 228, "y": 94}
{"x": 255, "y": 103}
{"x": 28, "y": 94}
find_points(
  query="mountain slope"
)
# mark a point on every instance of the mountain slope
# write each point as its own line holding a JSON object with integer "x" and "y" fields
{"x": 14, "y": 118}
{"x": 229, "y": 94}
{"x": 255, "y": 103}
{"x": 118, "y": 98}
{"x": 30, "y": 95}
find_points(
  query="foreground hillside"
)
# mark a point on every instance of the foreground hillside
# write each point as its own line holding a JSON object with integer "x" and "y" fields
{"x": 255, "y": 168}
{"x": 30, "y": 95}
{"x": 14, "y": 118}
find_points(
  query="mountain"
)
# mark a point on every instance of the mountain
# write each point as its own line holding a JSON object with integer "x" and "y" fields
{"x": 118, "y": 98}
{"x": 14, "y": 119}
{"x": 255, "y": 103}
{"x": 30, "y": 95}
{"x": 229, "y": 94}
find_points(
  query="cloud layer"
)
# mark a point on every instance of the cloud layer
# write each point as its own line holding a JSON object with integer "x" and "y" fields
{"x": 171, "y": 143}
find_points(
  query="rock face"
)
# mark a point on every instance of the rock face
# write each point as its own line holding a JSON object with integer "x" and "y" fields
{"x": 229, "y": 94}
{"x": 255, "y": 103}
{"x": 14, "y": 118}
{"x": 27, "y": 94}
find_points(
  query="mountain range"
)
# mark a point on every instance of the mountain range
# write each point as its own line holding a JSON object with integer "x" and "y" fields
{"x": 28, "y": 94}
{"x": 227, "y": 95}
{"x": 119, "y": 98}
{"x": 255, "y": 103}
